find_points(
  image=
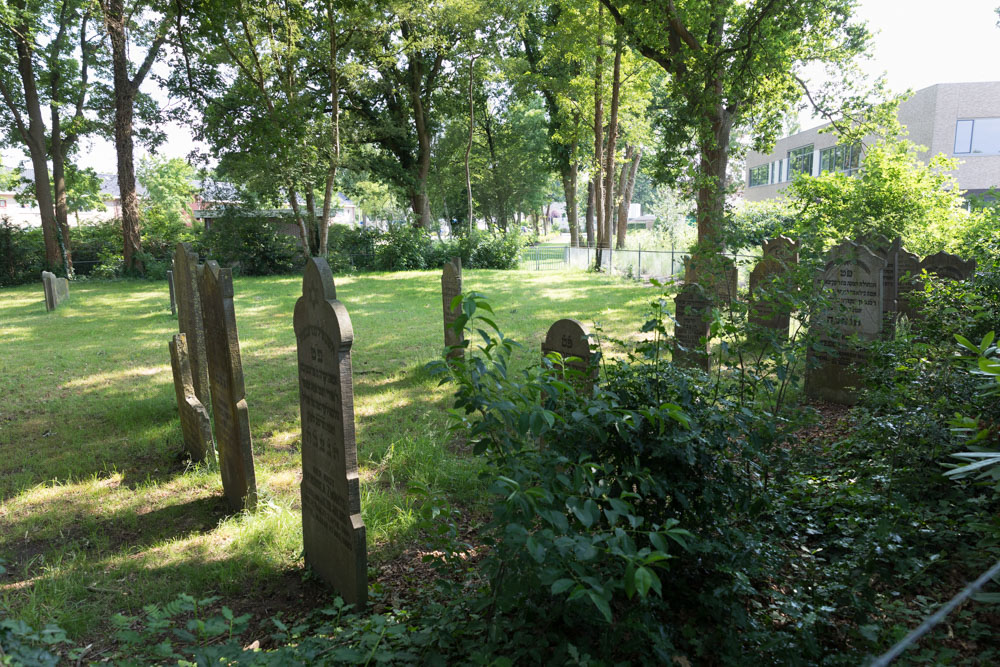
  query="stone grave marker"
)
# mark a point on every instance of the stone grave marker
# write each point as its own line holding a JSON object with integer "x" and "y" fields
{"x": 721, "y": 278}
{"x": 451, "y": 286}
{"x": 946, "y": 265}
{"x": 332, "y": 530}
{"x": 570, "y": 338}
{"x": 907, "y": 280}
{"x": 693, "y": 312}
{"x": 187, "y": 292}
{"x": 853, "y": 276}
{"x": 195, "y": 423}
{"x": 61, "y": 290}
{"x": 49, "y": 288}
{"x": 225, "y": 375}
{"x": 779, "y": 255}
{"x": 173, "y": 300}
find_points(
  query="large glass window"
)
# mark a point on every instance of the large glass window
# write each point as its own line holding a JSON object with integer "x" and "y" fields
{"x": 840, "y": 158}
{"x": 759, "y": 176}
{"x": 977, "y": 136}
{"x": 800, "y": 161}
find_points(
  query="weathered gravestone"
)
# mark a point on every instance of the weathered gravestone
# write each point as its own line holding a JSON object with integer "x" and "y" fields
{"x": 719, "y": 276}
{"x": 907, "y": 273}
{"x": 56, "y": 290}
{"x": 853, "y": 278}
{"x": 766, "y": 311}
{"x": 173, "y": 300}
{"x": 451, "y": 287}
{"x": 693, "y": 312}
{"x": 225, "y": 375}
{"x": 571, "y": 339}
{"x": 195, "y": 423}
{"x": 332, "y": 529}
{"x": 946, "y": 265}
{"x": 187, "y": 292}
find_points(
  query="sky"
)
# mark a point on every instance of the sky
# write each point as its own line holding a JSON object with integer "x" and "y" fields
{"x": 917, "y": 43}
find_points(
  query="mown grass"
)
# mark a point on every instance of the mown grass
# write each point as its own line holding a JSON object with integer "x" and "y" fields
{"x": 98, "y": 512}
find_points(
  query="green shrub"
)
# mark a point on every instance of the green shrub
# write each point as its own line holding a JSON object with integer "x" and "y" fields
{"x": 21, "y": 254}
{"x": 252, "y": 245}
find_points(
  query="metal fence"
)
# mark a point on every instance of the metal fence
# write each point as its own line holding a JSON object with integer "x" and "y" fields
{"x": 637, "y": 264}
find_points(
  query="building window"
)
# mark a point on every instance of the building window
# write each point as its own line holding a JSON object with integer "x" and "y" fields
{"x": 800, "y": 161}
{"x": 977, "y": 136}
{"x": 758, "y": 176}
{"x": 3, "y": 203}
{"x": 846, "y": 159}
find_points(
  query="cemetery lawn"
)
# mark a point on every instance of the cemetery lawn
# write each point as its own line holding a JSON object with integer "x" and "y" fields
{"x": 99, "y": 513}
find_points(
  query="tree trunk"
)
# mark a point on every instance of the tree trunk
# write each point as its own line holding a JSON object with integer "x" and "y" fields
{"x": 331, "y": 174}
{"x": 599, "y": 141}
{"x": 421, "y": 203}
{"x": 590, "y": 213}
{"x": 468, "y": 146}
{"x": 293, "y": 201}
{"x": 569, "y": 177}
{"x": 711, "y": 198}
{"x": 628, "y": 188}
{"x": 609, "y": 167}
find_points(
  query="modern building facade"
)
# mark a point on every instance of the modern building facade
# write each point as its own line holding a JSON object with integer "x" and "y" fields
{"x": 961, "y": 120}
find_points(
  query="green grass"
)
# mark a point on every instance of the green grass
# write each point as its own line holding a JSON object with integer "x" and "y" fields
{"x": 98, "y": 512}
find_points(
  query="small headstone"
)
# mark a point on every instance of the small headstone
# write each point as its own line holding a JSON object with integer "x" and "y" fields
{"x": 173, "y": 300}
{"x": 779, "y": 255}
{"x": 451, "y": 287}
{"x": 571, "y": 339}
{"x": 854, "y": 278}
{"x": 332, "y": 530}
{"x": 187, "y": 293}
{"x": 693, "y": 312}
{"x": 720, "y": 277}
{"x": 49, "y": 287}
{"x": 195, "y": 423}
{"x": 907, "y": 274}
{"x": 225, "y": 374}
{"x": 946, "y": 265}
{"x": 62, "y": 290}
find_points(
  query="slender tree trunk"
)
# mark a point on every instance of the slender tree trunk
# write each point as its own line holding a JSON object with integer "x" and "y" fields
{"x": 609, "y": 167}
{"x": 331, "y": 174}
{"x": 315, "y": 224}
{"x": 293, "y": 201}
{"x": 599, "y": 140}
{"x": 421, "y": 203}
{"x": 590, "y": 214}
{"x": 569, "y": 177}
{"x": 628, "y": 188}
{"x": 468, "y": 146}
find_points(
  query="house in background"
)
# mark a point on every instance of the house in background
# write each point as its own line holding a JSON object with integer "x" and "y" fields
{"x": 961, "y": 120}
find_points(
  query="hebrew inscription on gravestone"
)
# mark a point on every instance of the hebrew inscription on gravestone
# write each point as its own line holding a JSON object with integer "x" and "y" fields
{"x": 195, "y": 423}
{"x": 693, "y": 312}
{"x": 570, "y": 338}
{"x": 187, "y": 292}
{"x": 225, "y": 374}
{"x": 853, "y": 281}
{"x": 451, "y": 287}
{"x": 332, "y": 530}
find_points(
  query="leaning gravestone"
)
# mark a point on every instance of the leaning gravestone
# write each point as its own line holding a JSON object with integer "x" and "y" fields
{"x": 946, "y": 265}
{"x": 693, "y": 312}
{"x": 173, "y": 300}
{"x": 451, "y": 287}
{"x": 56, "y": 290}
{"x": 853, "y": 278}
{"x": 332, "y": 530}
{"x": 195, "y": 423}
{"x": 225, "y": 375}
{"x": 571, "y": 339}
{"x": 187, "y": 291}
{"x": 780, "y": 254}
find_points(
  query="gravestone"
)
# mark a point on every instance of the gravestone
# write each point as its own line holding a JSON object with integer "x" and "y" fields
{"x": 332, "y": 530}
{"x": 946, "y": 265}
{"x": 907, "y": 280}
{"x": 571, "y": 339}
{"x": 225, "y": 375}
{"x": 779, "y": 255}
{"x": 62, "y": 290}
{"x": 853, "y": 278}
{"x": 195, "y": 423}
{"x": 187, "y": 292}
{"x": 720, "y": 277}
{"x": 49, "y": 288}
{"x": 451, "y": 286}
{"x": 173, "y": 300}
{"x": 693, "y": 312}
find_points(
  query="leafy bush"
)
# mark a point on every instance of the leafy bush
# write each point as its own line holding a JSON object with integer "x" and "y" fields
{"x": 253, "y": 246}
{"x": 21, "y": 254}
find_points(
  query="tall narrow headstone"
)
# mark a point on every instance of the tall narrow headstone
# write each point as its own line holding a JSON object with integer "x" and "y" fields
{"x": 225, "y": 374}
{"x": 332, "y": 530}
{"x": 766, "y": 311}
{"x": 570, "y": 339}
{"x": 49, "y": 287}
{"x": 451, "y": 287}
{"x": 173, "y": 300}
{"x": 187, "y": 292}
{"x": 853, "y": 280}
{"x": 195, "y": 423}
{"x": 693, "y": 313}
